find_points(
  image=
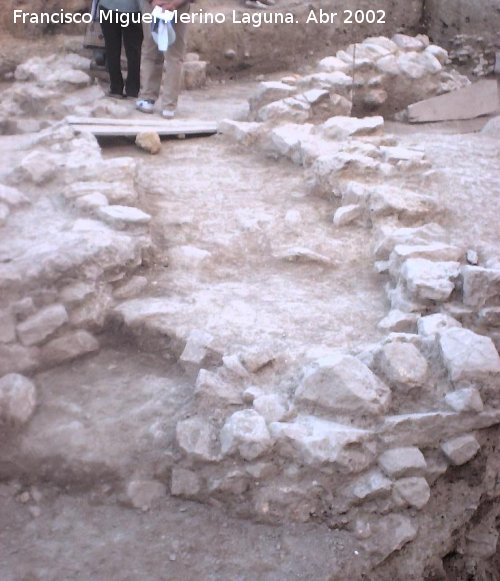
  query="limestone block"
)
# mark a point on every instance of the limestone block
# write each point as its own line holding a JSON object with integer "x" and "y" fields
{"x": 468, "y": 357}
{"x": 211, "y": 387}
{"x": 187, "y": 257}
{"x": 42, "y": 324}
{"x": 342, "y": 384}
{"x": 435, "y": 251}
{"x": 383, "y": 42}
{"x": 144, "y": 494}
{"x": 318, "y": 442}
{"x": 245, "y": 432}
{"x": 196, "y": 437}
{"x": 388, "y": 65}
{"x": 465, "y": 400}
{"x": 196, "y": 352}
{"x": 460, "y": 450}
{"x": 269, "y": 91}
{"x": 91, "y": 202}
{"x": 149, "y": 141}
{"x": 403, "y": 364}
{"x": 76, "y": 293}
{"x": 387, "y": 200}
{"x": 241, "y": 131}
{"x": 68, "y": 347}
{"x": 418, "y": 236}
{"x": 17, "y": 399}
{"x": 399, "y": 462}
{"x": 336, "y": 82}
{"x": 184, "y": 483}
{"x": 369, "y": 486}
{"x": 115, "y": 192}
{"x": 480, "y": 285}
{"x": 434, "y": 324}
{"x": 438, "y": 52}
{"x": 343, "y": 127}
{"x": 347, "y": 214}
{"x": 332, "y": 64}
{"x": 123, "y": 216}
{"x": 428, "y": 280}
{"x": 412, "y": 491}
{"x": 398, "y": 321}
{"x": 285, "y": 110}
{"x": 37, "y": 167}
{"x": 271, "y": 407}
{"x": 408, "y": 43}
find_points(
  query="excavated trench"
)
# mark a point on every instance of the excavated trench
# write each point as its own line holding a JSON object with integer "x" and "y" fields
{"x": 177, "y": 432}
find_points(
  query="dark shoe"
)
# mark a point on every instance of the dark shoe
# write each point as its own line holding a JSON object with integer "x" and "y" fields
{"x": 116, "y": 95}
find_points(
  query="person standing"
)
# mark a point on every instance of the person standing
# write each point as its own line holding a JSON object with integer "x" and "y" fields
{"x": 119, "y": 29}
{"x": 167, "y": 66}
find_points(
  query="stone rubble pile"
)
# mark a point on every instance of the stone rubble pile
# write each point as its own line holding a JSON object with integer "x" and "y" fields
{"x": 474, "y": 53}
{"x": 69, "y": 246}
{"x": 53, "y": 87}
{"x": 379, "y": 75}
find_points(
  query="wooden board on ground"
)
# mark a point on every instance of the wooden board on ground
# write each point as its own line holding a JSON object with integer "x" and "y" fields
{"x": 478, "y": 99}
{"x": 102, "y": 127}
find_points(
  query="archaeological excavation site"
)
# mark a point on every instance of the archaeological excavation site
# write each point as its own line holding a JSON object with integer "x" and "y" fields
{"x": 252, "y": 336}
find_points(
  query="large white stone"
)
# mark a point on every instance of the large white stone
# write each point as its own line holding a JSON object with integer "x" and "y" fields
{"x": 399, "y": 322}
{"x": 245, "y": 432}
{"x": 433, "y": 324}
{"x": 480, "y": 285}
{"x": 341, "y": 384}
{"x": 460, "y": 450}
{"x": 412, "y": 491}
{"x": 435, "y": 251}
{"x": 144, "y": 493}
{"x": 403, "y": 364}
{"x": 428, "y": 280}
{"x": 399, "y": 462}
{"x": 343, "y": 127}
{"x": 417, "y": 236}
{"x": 195, "y": 437}
{"x": 465, "y": 400}
{"x": 70, "y": 346}
{"x": 123, "y": 216}
{"x": 17, "y": 399}
{"x": 271, "y": 407}
{"x": 371, "y": 485}
{"x": 42, "y": 324}
{"x": 318, "y": 442}
{"x": 468, "y": 357}
{"x": 269, "y": 91}
{"x": 211, "y": 387}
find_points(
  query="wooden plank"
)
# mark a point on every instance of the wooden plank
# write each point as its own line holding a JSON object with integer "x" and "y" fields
{"x": 478, "y": 99}
{"x": 131, "y": 129}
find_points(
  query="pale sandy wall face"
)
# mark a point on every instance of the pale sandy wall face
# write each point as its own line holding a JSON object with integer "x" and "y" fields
{"x": 447, "y": 18}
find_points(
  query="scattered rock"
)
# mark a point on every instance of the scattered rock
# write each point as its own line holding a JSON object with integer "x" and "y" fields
{"x": 17, "y": 399}
{"x": 412, "y": 491}
{"x": 468, "y": 357}
{"x": 195, "y": 437}
{"x": 42, "y": 324}
{"x": 68, "y": 347}
{"x": 341, "y": 384}
{"x": 246, "y": 432}
{"x": 460, "y": 450}
{"x": 270, "y": 407}
{"x": 403, "y": 364}
{"x": 149, "y": 141}
{"x": 400, "y": 462}
{"x": 371, "y": 485}
{"x": 465, "y": 400}
{"x": 434, "y": 324}
{"x": 123, "y": 216}
{"x": 399, "y": 322}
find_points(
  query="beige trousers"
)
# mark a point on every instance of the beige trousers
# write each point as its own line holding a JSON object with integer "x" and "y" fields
{"x": 156, "y": 65}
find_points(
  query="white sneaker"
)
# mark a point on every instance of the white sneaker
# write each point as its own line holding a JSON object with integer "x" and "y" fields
{"x": 168, "y": 114}
{"x": 145, "y": 105}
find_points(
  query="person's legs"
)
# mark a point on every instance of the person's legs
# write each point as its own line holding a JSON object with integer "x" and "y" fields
{"x": 132, "y": 41}
{"x": 151, "y": 61}
{"x": 112, "y": 33}
{"x": 174, "y": 59}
